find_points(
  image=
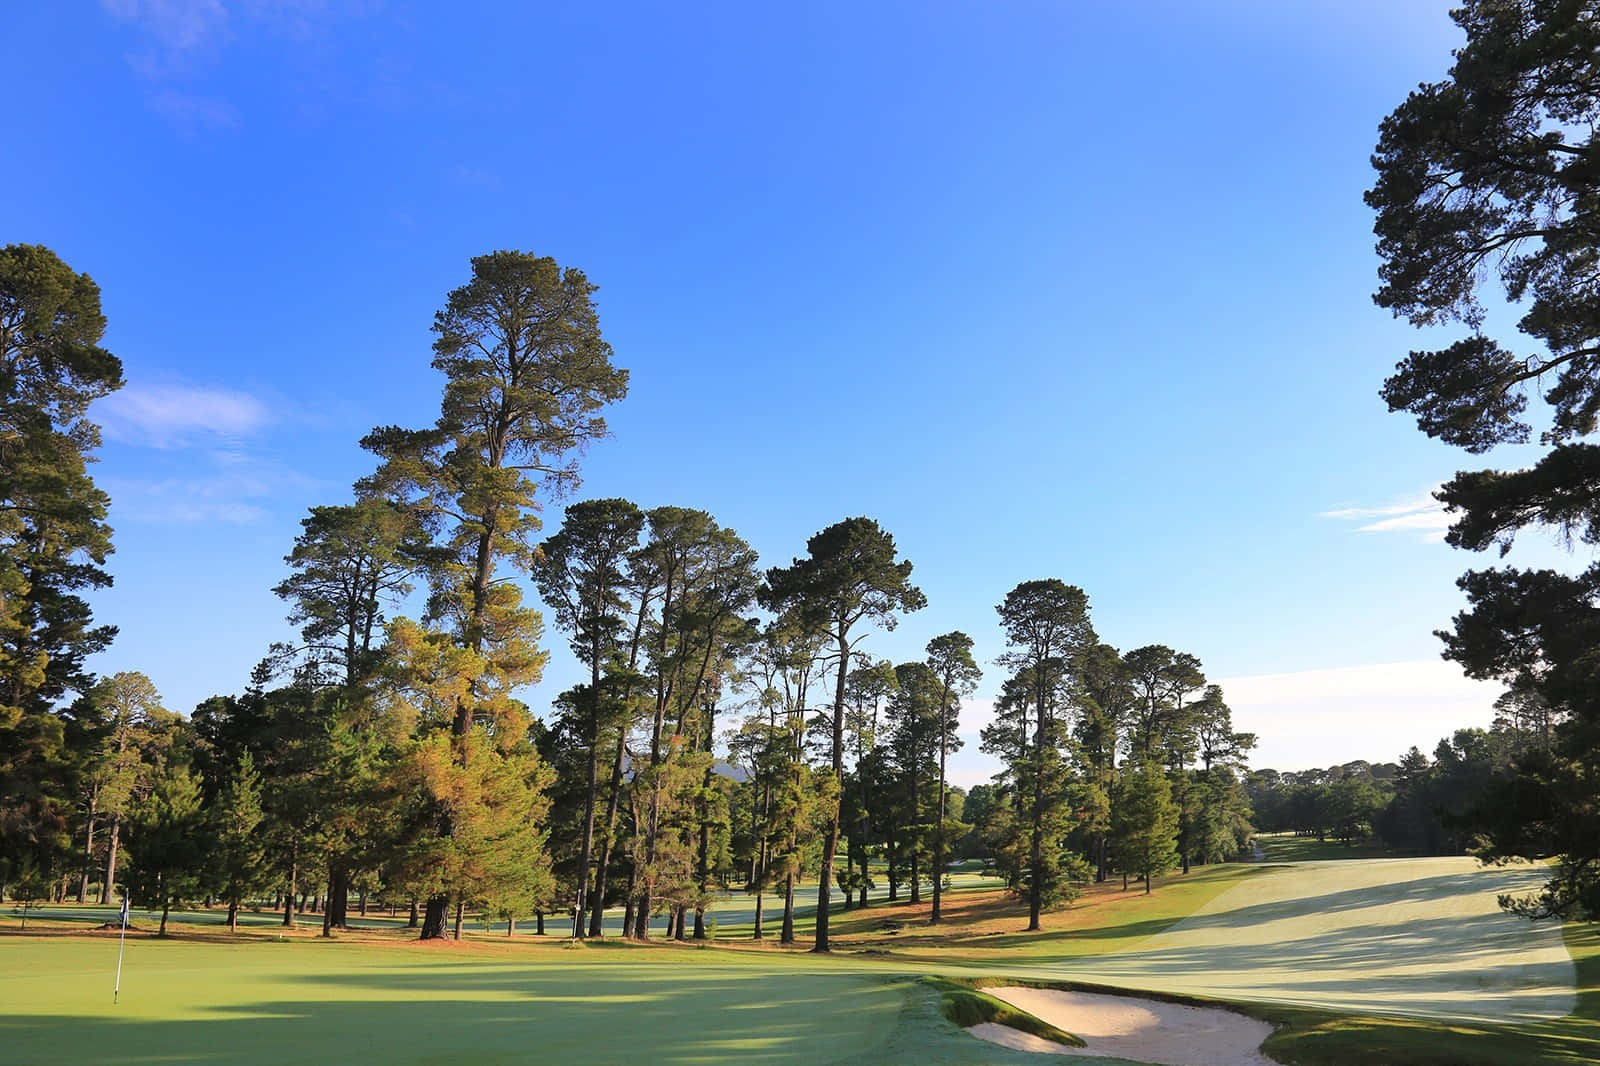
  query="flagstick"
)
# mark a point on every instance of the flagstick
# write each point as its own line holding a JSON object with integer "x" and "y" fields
{"x": 121, "y": 940}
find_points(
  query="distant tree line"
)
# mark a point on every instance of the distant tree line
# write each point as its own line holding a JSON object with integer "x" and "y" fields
{"x": 730, "y": 732}
{"x": 1419, "y": 806}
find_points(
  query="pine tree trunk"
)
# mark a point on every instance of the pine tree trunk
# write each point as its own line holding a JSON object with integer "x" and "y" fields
{"x": 166, "y": 907}
{"x": 916, "y": 817}
{"x": 460, "y": 910}
{"x": 88, "y": 850}
{"x": 111, "y": 858}
{"x": 1036, "y": 838}
{"x": 786, "y": 936}
{"x": 597, "y": 907}
{"x": 830, "y": 843}
{"x": 538, "y": 917}
{"x": 412, "y": 924}
{"x": 233, "y": 916}
{"x": 433, "y": 918}
{"x": 288, "y": 899}
{"x": 338, "y": 901}
{"x": 758, "y": 934}
{"x": 586, "y": 851}
{"x": 938, "y": 829}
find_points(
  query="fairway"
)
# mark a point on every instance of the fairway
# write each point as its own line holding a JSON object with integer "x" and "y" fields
{"x": 1421, "y": 937}
{"x": 307, "y": 1003}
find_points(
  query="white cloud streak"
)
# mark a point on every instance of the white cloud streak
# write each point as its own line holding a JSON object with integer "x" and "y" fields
{"x": 175, "y": 416}
{"x": 1419, "y": 514}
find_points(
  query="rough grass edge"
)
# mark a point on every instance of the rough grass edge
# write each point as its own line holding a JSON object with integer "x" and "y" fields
{"x": 964, "y": 1004}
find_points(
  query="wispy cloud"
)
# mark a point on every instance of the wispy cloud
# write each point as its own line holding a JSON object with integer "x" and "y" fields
{"x": 176, "y": 25}
{"x": 224, "y": 485}
{"x": 180, "y": 40}
{"x": 1418, "y": 514}
{"x": 174, "y": 416}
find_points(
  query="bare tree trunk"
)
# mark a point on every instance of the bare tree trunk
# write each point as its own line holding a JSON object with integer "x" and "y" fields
{"x": 830, "y": 843}
{"x": 433, "y": 918}
{"x": 786, "y": 936}
{"x": 288, "y": 899}
{"x": 338, "y": 901}
{"x": 938, "y": 829}
{"x": 916, "y": 818}
{"x": 1036, "y": 840}
{"x": 111, "y": 858}
{"x": 597, "y": 907}
{"x": 88, "y": 848}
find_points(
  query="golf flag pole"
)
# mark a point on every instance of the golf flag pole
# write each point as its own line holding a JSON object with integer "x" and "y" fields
{"x": 116, "y": 989}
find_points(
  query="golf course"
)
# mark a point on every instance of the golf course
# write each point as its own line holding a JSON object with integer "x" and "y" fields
{"x": 827, "y": 534}
{"x": 1374, "y": 960}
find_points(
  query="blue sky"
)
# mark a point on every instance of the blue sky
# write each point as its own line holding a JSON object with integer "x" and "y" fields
{"x": 1049, "y": 289}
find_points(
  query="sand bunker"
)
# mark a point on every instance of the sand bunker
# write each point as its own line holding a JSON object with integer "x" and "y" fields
{"x": 1140, "y": 1029}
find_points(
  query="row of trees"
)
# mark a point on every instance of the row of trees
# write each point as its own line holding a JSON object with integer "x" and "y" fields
{"x": 1124, "y": 762}
{"x": 730, "y": 731}
{"x": 1418, "y": 805}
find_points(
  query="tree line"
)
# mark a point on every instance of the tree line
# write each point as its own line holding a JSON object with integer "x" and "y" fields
{"x": 731, "y": 732}
{"x": 1417, "y": 805}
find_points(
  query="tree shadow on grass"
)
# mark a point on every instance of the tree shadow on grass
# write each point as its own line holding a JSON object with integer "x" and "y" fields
{"x": 570, "y": 1014}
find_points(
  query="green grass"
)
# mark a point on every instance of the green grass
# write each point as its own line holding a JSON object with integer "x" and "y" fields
{"x": 1286, "y": 847}
{"x": 301, "y": 1001}
{"x": 1317, "y": 1038}
{"x": 1288, "y": 944}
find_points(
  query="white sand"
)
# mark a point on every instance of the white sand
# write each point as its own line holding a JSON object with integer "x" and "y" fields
{"x": 1140, "y": 1029}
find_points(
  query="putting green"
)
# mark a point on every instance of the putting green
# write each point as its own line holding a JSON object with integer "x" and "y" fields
{"x": 302, "y": 1002}
{"x": 1421, "y": 937}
